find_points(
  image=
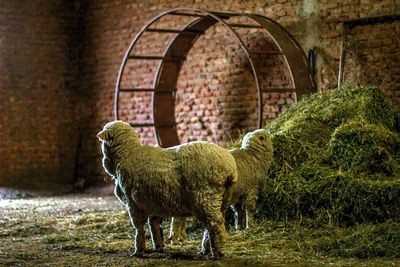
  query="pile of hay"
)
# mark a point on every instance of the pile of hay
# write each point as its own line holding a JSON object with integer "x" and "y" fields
{"x": 336, "y": 159}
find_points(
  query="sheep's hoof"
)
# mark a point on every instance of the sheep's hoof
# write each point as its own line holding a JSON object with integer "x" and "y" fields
{"x": 180, "y": 241}
{"x": 171, "y": 240}
{"x": 176, "y": 241}
{"x": 217, "y": 255}
{"x": 159, "y": 249}
{"x": 204, "y": 252}
{"x": 136, "y": 254}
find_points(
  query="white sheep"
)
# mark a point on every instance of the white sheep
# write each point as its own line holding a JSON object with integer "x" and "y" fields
{"x": 253, "y": 160}
{"x": 192, "y": 179}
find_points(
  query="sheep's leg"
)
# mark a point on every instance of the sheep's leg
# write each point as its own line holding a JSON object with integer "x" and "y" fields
{"x": 250, "y": 218}
{"x": 250, "y": 206}
{"x": 156, "y": 233}
{"x": 119, "y": 193}
{"x": 138, "y": 222}
{"x": 182, "y": 235}
{"x": 177, "y": 230}
{"x": 205, "y": 244}
{"x": 217, "y": 236}
{"x": 208, "y": 212}
{"x": 139, "y": 239}
{"x": 240, "y": 216}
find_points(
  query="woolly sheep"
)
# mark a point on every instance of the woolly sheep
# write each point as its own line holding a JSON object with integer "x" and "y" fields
{"x": 253, "y": 160}
{"x": 192, "y": 179}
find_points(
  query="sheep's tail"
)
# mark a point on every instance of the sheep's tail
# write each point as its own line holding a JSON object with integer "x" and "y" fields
{"x": 229, "y": 181}
{"x": 226, "y": 198}
{"x": 233, "y": 177}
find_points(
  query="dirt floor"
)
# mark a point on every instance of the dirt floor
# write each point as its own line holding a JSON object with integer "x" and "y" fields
{"x": 91, "y": 229}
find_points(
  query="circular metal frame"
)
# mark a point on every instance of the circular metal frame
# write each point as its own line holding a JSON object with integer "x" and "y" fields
{"x": 170, "y": 63}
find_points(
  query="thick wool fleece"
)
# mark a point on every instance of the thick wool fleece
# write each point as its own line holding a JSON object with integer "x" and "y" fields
{"x": 190, "y": 179}
{"x": 253, "y": 160}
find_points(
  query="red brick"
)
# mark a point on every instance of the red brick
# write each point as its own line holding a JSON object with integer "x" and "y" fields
{"x": 66, "y": 81}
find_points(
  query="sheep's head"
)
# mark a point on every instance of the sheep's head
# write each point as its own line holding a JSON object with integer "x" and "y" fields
{"x": 117, "y": 129}
{"x": 258, "y": 140}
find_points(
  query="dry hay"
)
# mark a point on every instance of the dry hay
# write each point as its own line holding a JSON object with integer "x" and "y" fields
{"x": 337, "y": 163}
{"x": 336, "y": 159}
{"x": 84, "y": 230}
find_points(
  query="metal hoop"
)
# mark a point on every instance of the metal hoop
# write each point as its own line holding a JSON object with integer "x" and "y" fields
{"x": 170, "y": 63}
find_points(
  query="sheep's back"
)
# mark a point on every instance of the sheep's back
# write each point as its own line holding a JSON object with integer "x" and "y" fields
{"x": 204, "y": 163}
{"x": 153, "y": 177}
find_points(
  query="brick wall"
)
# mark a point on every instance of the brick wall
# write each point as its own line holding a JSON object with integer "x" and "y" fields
{"x": 216, "y": 92}
{"x": 38, "y": 94}
{"x": 60, "y": 62}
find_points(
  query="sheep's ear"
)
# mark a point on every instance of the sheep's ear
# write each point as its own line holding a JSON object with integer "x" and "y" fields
{"x": 105, "y": 135}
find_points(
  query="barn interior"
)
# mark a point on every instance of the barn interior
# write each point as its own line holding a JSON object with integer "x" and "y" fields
{"x": 325, "y": 84}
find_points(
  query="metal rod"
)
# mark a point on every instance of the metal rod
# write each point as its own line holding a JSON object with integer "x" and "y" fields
{"x": 174, "y": 31}
{"x": 251, "y": 26}
{"x": 223, "y": 14}
{"x": 351, "y": 23}
{"x": 141, "y": 124}
{"x": 156, "y": 58}
{"x": 186, "y": 14}
{"x": 146, "y": 57}
{"x": 278, "y": 90}
{"x": 134, "y": 124}
{"x": 342, "y": 56}
{"x": 136, "y": 90}
{"x": 266, "y": 52}
{"x": 260, "y": 109}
